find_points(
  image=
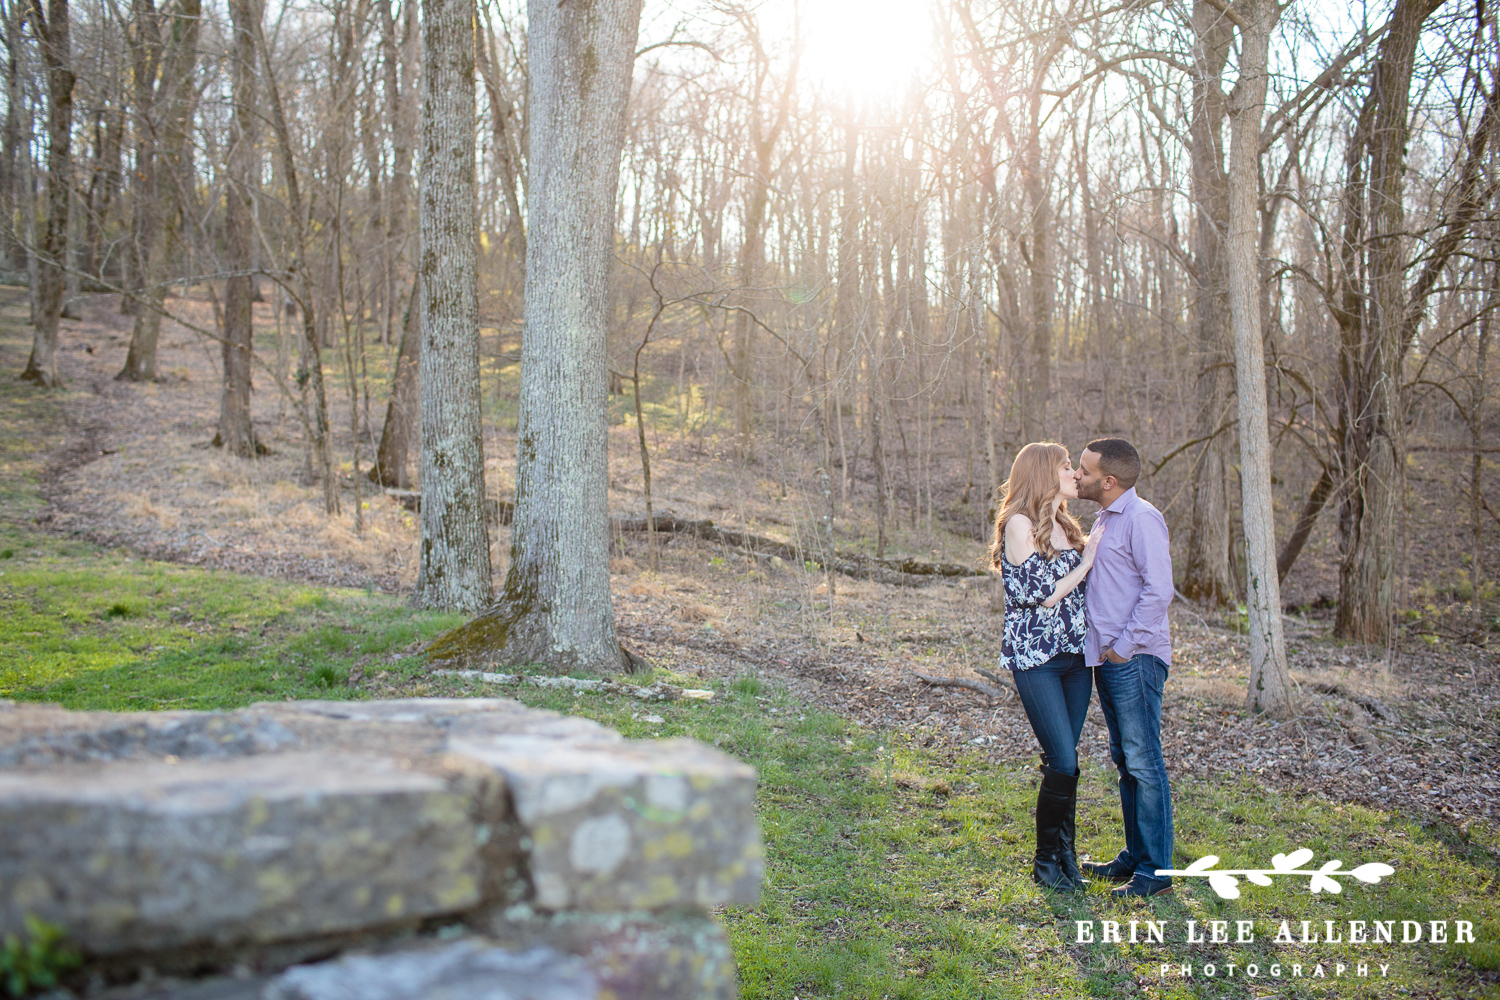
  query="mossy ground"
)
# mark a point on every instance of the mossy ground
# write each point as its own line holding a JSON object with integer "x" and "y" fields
{"x": 894, "y": 870}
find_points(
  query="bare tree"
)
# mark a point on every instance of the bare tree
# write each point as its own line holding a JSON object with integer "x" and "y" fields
{"x": 454, "y": 571}
{"x": 236, "y": 433}
{"x": 165, "y": 115}
{"x": 399, "y": 433}
{"x": 1205, "y": 571}
{"x": 765, "y": 134}
{"x": 297, "y": 279}
{"x": 1372, "y": 310}
{"x": 1270, "y": 684}
{"x": 556, "y": 608}
{"x": 53, "y": 30}
{"x": 1038, "y": 238}
{"x": 12, "y": 252}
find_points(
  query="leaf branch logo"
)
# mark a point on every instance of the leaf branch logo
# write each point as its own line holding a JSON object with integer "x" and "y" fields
{"x": 1324, "y": 879}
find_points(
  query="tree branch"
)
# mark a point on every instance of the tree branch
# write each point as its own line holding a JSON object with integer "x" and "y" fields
{"x": 962, "y": 682}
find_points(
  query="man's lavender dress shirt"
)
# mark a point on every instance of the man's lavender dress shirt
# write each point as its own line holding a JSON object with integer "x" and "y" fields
{"x": 1130, "y": 585}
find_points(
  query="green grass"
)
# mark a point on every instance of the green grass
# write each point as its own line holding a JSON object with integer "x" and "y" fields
{"x": 102, "y": 630}
{"x": 904, "y": 872}
{"x": 893, "y": 870}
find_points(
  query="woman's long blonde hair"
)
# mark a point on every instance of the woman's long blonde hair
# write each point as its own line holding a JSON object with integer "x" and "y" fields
{"x": 1030, "y": 490}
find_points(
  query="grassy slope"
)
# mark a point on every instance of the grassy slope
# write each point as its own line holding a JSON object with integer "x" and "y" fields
{"x": 893, "y": 870}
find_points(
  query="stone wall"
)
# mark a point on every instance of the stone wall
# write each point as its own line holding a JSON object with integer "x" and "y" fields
{"x": 399, "y": 850}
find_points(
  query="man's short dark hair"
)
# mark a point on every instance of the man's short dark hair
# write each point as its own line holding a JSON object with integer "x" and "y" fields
{"x": 1118, "y": 458}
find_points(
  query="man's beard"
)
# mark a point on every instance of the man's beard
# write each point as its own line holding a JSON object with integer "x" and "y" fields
{"x": 1089, "y": 491}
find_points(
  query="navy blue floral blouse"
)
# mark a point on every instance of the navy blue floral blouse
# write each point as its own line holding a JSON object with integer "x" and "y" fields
{"x": 1034, "y": 634}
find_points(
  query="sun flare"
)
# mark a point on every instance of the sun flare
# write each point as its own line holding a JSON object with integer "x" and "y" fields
{"x": 865, "y": 49}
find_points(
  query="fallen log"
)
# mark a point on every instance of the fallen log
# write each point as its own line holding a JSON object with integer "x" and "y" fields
{"x": 1003, "y": 683}
{"x": 904, "y": 572}
{"x": 999, "y": 694}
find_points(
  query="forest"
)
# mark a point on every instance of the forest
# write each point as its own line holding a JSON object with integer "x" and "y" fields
{"x": 352, "y": 348}
{"x": 881, "y": 252}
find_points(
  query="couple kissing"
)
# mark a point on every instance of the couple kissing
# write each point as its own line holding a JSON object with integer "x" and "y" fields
{"x": 1082, "y": 613}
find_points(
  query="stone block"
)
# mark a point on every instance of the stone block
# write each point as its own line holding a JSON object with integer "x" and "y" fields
{"x": 463, "y": 970}
{"x": 628, "y": 826}
{"x": 267, "y": 836}
{"x": 449, "y": 716}
{"x": 145, "y": 857}
{"x": 673, "y": 955}
{"x": 40, "y": 735}
{"x": 210, "y": 735}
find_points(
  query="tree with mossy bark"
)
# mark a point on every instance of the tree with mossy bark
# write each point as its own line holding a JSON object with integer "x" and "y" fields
{"x": 455, "y": 550}
{"x": 555, "y": 608}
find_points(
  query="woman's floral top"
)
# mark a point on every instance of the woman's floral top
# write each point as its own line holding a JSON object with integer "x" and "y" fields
{"x": 1034, "y": 634}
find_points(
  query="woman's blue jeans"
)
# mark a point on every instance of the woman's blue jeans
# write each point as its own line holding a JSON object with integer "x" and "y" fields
{"x": 1056, "y": 698}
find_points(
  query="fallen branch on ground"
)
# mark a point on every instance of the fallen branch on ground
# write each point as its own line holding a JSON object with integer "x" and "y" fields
{"x": 903, "y": 572}
{"x": 999, "y": 694}
{"x": 1003, "y": 682}
{"x": 658, "y": 691}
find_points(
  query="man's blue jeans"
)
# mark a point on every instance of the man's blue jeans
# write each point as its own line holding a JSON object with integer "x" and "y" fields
{"x": 1130, "y": 694}
{"x": 1055, "y": 695}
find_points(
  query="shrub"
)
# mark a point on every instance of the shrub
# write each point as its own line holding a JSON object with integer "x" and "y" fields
{"x": 37, "y": 963}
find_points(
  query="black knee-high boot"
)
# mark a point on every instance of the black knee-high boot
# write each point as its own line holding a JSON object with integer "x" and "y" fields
{"x": 1069, "y": 853}
{"x": 1055, "y": 802}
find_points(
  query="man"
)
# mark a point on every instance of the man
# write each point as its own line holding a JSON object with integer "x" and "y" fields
{"x": 1130, "y": 650}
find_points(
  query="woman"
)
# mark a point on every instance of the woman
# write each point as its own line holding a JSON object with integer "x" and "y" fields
{"x": 1043, "y": 558}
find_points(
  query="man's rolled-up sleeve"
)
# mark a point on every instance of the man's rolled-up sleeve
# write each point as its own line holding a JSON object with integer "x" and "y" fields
{"x": 1152, "y": 552}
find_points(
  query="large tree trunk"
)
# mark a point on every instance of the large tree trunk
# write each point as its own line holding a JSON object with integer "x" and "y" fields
{"x": 54, "y": 31}
{"x": 236, "y": 432}
{"x": 1373, "y": 317}
{"x": 454, "y": 571}
{"x": 1205, "y": 573}
{"x": 556, "y": 608}
{"x": 1270, "y": 684}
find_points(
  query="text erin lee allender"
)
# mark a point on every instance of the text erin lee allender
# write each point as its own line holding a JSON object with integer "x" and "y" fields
{"x": 1332, "y": 932}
